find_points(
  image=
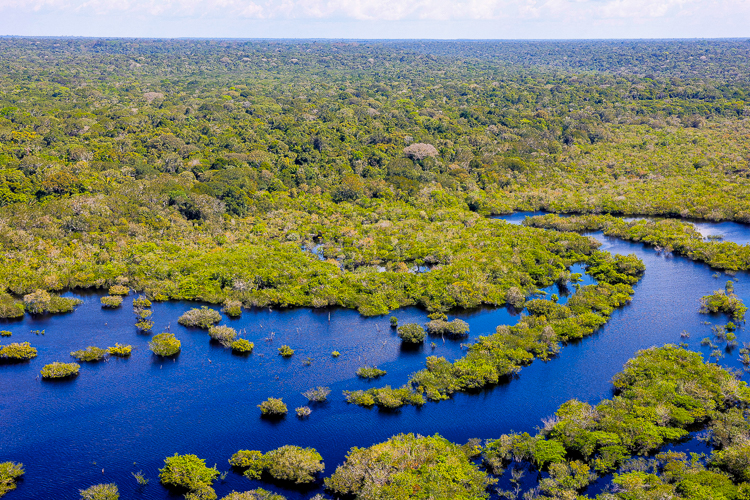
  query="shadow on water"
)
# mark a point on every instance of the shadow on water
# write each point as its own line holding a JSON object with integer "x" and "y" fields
{"x": 127, "y": 415}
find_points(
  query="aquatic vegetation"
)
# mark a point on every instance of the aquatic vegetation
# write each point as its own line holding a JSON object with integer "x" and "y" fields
{"x": 242, "y": 346}
{"x": 204, "y": 317}
{"x": 189, "y": 472}
{"x": 335, "y": 354}
{"x": 140, "y": 478}
{"x": 318, "y": 394}
{"x": 370, "y": 372}
{"x": 41, "y": 302}
{"x": 5, "y": 333}
{"x": 111, "y": 301}
{"x": 455, "y": 328}
{"x": 257, "y": 494}
{"x": 60, "y": 370}
{"x": 17, "y": 351}
{"x": 141, "y": 302}
{"x": 9, "y": 473}
{"x": 408, "y": 463}
{"x": 9, "y": 307}
{"x": 286, "y": 351}
{"x": 288, "y": 463}
{"x": 121, "y": 351}
{"x": 119, "y": 290}
{"x": 232, "y": 308}
{"x": 303, "y": 411}
{"x": 91, "y": 353}
{"x": 164, "y": 344}
{"x": 225, "y": 335}
{"x": 393, "y": 322}
{"x": 411, "y": 333}
{"x": 725, "y": 301}
{"x": 144, "y": 325}
{"x": 273, "y": 407}
{"x": 101, "y": 492}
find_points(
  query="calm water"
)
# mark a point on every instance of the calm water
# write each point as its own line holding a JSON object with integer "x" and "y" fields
{"x": 126, "y": 415}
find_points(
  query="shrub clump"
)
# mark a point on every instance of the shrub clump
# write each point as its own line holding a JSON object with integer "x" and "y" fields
{"x": 385, "y": 397}
{"x": 121, "y": 351}
{"x": 200, "y": 318}
{"x": 9, "y": 307}
{"x": 411, "y": 333}
{"x": 17, "y": 351}
{"x": 189, "y": 472}
{"x": 5, "y": 333}
{"x": 288, "y": 463}
{"x": 259, "y": 494}
{"x": 725, "y": 301}
{"x": 455, "y": 328}
{"x": 286, "y": 351}
{"x": 111, "y": 301}
{"x": 164, "y": 344}
{"x": 370, "y": 372}
{"x": 273, "y": 407}
{"x": 60, "y": 370}
{"x": 91, "y": 353}
{"x": 9, "y": 473}
{"x": 41, "y": 302}
{"x": 144, "y": 325}
{"x": 242, "y": 346}
{"x": 317, "y": 395}
{"x": 119, "y": 290}
{"x": 101, "y": 492}
{"x": 232, "y": 308}
{"x": 225, "y": 335}
{"x": 303, "y": 411}
{"x": 141, "y": 302}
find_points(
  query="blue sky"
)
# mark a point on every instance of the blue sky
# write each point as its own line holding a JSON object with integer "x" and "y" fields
{"x": 493, "y": 19}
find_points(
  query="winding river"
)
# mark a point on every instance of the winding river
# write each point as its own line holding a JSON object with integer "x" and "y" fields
{"x": 126, "y": 415}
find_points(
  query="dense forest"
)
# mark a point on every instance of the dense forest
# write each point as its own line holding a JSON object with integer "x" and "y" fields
{"x": 363, "y": 174}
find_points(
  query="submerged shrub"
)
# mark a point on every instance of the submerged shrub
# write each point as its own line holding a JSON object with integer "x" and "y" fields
{"x": 273, "y": 407}
{"x": 91, "y": 353}
{"x": 187, "y": 471}
{"x": 259, "y": 494}
{"x": 200, "y": 318}
{"x": 5, "y": 333}
{"x": 455, "y": 328}
{"x": 144, "y": 325}
{"x": 250, "y": 460}
{"x": 359, "y": 398}
{"x": 286, "y": 351}
{"x": 111, "y": 301}
{"x": 164, "y": 344}
{"x": 9, "y": 307}
{"x": 101, "y": 492}
{"x": 60, "y": 370}
{"x": 318, "y": 395}
{"x": 370, "y": 372}
{"x": 232, "y": 308}
{"x": 335, "y": 354}
{"x": 141, "y": 302}
{"x": 17, "y": 351}
{"x": 724, "y": 301}
{"x": 225, "y": 335}
{"x": 303, "y": 411}
{"x": 242, "y": 346}
{"x": 394, "y": 321}
{"x": 287, "y": 463}
{"x": 121, "y": 351}
{"x": 411, "y": 333}
{"x": 9, "y": 472}
{"x": 119, "y": 290}
{"x": 41, "y": 302}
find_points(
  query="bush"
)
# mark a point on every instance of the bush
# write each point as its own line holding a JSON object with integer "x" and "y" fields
{"x": 141, "y": 302}
{"x": 121, "y": 351}
{"x": 232, "y": 308}
{"x": 359, "y": 398}
{"x": 288, "y": 463}
{"x": 119, "y": 290}
{"x": 335, "y": 354}
{"x": 111, "y": 301}
{"x": 17, "y": 351}
{"x": 101, "y": 492}
{"x": 5, "y": 333}
{"x": 60, "y": 370}
{"x": 411, "y": 333}
{"x": 200, "y": 318}
{"x": 91, "y": 353}
{"x": 41, "y": 302}
{"x": 250, "y": 460}
{"x": 164, "y": 344}
{"x": 242, "y": 346}
{"x": 9, "y": 472}
{"x": 370, "y": 372}
{"x": 273, "y": 407}
{"x": 144, "y": 325}
{"x": 259, "y": 494}
{"x": 286, "y": 351}
{"x": 394, "y": 321}
{"x": 318, "y": 395}
{"x": 225, "y": 335}
{"x": 303, "y": 411}
{"x": 455, "y": 328}
{"x": 187, "y": 471}
{"x": 9, "y": 307}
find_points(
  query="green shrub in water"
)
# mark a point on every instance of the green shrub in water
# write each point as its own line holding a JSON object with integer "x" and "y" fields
{"x": 411, "y": 333}
{"x": 286, "y": 351}
{"x": 17, "y": 351}
{"x": 91, "y": 353}
{"x": 10, "y": 307}
{"x": 242, "y": 346}
{"x": 5, "y": 333}
{"x": 455, "y": 328}
{"x": 273, "y": 407}
{"x": 200, "y": 318}
{"x": 187, "y": 471}
{"x": 164, "y": 344}
{"x": 370, "y": 372}
{"x": 287, "y": 463}
{"x": 9, "y": 473}
{"x": 232, "y": 308}
{"x": 101, "y": 492}
{"x": 225, "y": 335}
{"x": 121, "y": 351}
{"x": 119, "y": 290}
{"x": 60, "y": 370}
{"x": 111, "y": 301}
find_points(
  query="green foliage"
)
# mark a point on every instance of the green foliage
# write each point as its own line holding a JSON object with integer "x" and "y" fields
{"x": 111, "y": 301}
{"x": 411, "y": 333}
{"x": 318, "y": 394}
{"x": 41, "y": 302}
{"x": 242, "y": 346}
{"x": 121, "y": 351}
{"x": 188, "y": 472}
{"x": 9, "y": 473}
{"x": 725, "y": 301}
{"x": 119, "y": 290}
{"x": 273, "y": 407}
{"x": 141, "y": 302}
{"x": 91, "y": 353}
{"x": 258, "y": 494}
{"x": 394, "y": 322}
{"x": 101, "y": 492}
{"x": 60, "y": 370}
{"x": 335, "y": 354}
{"x": 17, "y": 351}
{"x": 409, "y": 466}
{"x": 288, "y": 463}
{"x": 286, "y": 351}
{"x": 370, "y": 372}
{"x": 200, "y": 318}
{"x": 441, "y": 327}
{"x": 225, "y": 335}
{"x": 144, "y": 325}
{"x": 5, "y": 333}
{"x": 232, "y": 308}
{"x": 303, "y": 411}
{"x": 9, "y": 307}
{"x": 164, "y": 344}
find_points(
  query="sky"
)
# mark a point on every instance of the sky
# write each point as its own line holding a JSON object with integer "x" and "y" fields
{"x": 379, "y": 19}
